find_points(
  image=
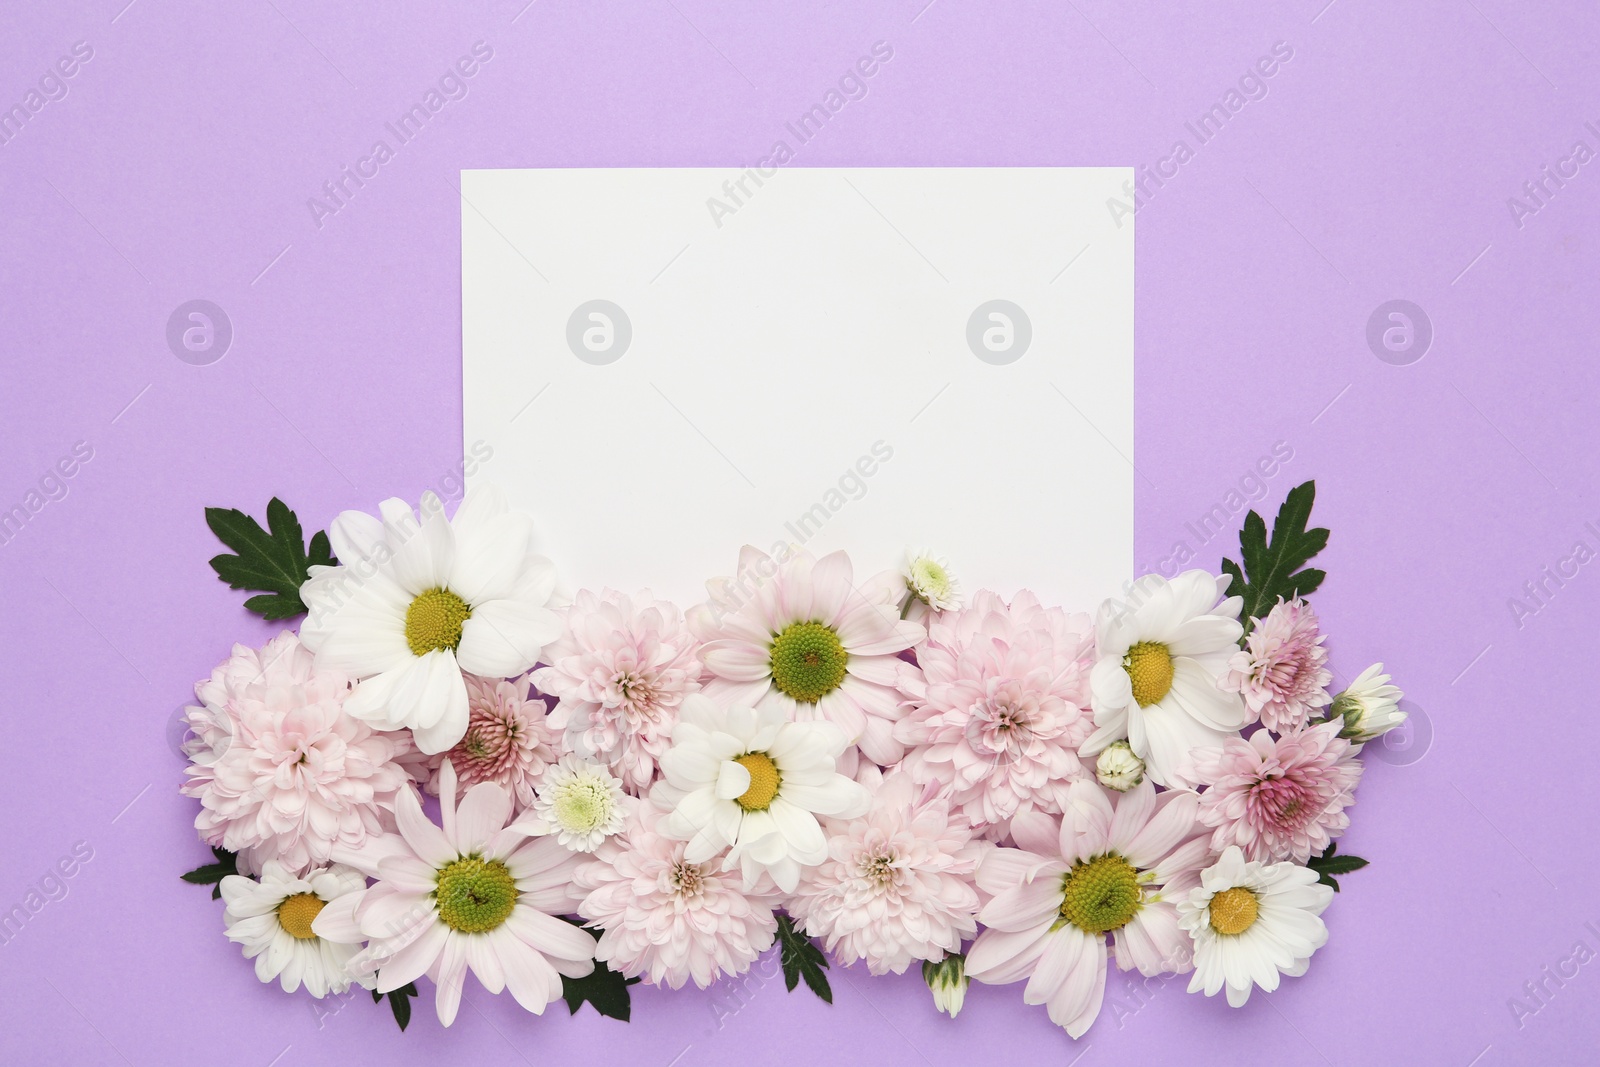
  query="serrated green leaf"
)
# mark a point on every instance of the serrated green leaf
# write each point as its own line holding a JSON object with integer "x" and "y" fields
{"x": 212, "y": 874}
{"x": 606, "y": 989}
{"x": 273, "y": 561}
{"x": 399, "y": 1002}
{"x": 802, "y": 959}
{"x": 1337, "y": 864}
{"x": 1277, "y": 568}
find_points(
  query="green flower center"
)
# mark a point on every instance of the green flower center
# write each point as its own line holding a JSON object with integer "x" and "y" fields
{"x": 582, "y": 805}
{"x": 808, "y": 661}
{"x": 1233, "y": 911}
{"x": 1149, "y": 667}
{"x": 931, "y": 580}
{"x": 764, "y": 781}
{"x": 434, "y": 620}
{"x": 1101, "y": 894}
{"x": 475, "y": 895}
{"x": 296, "y": 913}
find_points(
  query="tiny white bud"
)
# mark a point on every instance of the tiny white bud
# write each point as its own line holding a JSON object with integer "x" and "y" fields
{"x": 1370, "y": 707}
{"x": 948, "y": 981}
{"x": 1118, "y": 768}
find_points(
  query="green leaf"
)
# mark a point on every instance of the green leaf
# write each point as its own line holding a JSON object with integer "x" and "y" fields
{"x": 212, "y": 874}
{"x": 399, "y": 1002}
{"x": 1277, "y": 569}
{"x": 275, "y": 563}
{"x": 1327, "y": 865}
{"x": 801, "y": 958}
{"x": 606, "y": 989}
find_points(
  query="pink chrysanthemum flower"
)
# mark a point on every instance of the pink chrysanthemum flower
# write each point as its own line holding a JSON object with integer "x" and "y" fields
{"x": 1282, "y": 799}
{"x": 1114, "y": 864}
{"x": 620, "y": 669}
{"x": 1280, "y": 672}
{"x": 999, "y": 707}
{"x": 285, "y": 773}
{"x": 666, "y": 919}
{"x": 508, "y": 740}
{"x": 897, "y": 884}
{"x": 798, "y": 634}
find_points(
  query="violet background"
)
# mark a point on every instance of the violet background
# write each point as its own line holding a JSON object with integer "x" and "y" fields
{"x": 1378, "y": 167}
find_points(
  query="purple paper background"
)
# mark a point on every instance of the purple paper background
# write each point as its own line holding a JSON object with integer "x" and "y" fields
{"x": 1378, "y": 166}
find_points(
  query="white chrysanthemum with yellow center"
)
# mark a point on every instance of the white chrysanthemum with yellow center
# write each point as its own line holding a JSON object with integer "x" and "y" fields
{"x": 1252, "y": 922}
{"x": 1154, "y": 684}
{"x": 272, "y": 919}
{"x": 752, "y": 782}
{"x": 929, "y": 579}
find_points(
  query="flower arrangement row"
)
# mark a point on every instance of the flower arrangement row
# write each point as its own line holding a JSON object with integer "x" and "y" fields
{"x": 870, "y": 770}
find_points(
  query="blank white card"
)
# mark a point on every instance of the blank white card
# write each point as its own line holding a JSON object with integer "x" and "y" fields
{"x": 665, "y": 364}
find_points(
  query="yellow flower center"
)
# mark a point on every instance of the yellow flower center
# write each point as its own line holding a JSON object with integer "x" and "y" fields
{"x": 1149, "y": 667}
{"x": 296, "y": 912}
{"x": 475, "y": 895}
{"x": 433, "y": 621}
{"x": 1101, "y": 894}
{"x": 1233, "y": 911}
{"x": 764, "y": 779}
{"x": 808, "y": 661}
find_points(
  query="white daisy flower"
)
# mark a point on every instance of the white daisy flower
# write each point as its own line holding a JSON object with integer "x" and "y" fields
{"x": 272, "y": 920}
{"x": 930, "y": 581}
{"x": 1252, "y": 922}
{"x": 413, "y": 604}
{"x": 1370, "y": 707}
{"x": 1161, "y": 652}
{"x": 749, "y": 781}
{"x": 578, "y": 802}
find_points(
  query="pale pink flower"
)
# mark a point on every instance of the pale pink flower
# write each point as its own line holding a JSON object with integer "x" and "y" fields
{"x": 669, "y": 920}
{"x": 897, "y": 884}
{"x": 468, "y": 894}
{"x": 282, "y": 771}
{"x": 508, "y": 740}
{"x": 1282, "y": 799}
{"x": 1114, "y": 863}
{"x": 620, "y": 668}
{"x": 796, "y": 633}
{"x": 1000, "y": 706}
{"x": 1280, "y": 672}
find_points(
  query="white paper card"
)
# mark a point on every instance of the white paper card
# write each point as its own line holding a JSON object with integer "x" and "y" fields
{"x": 665, "y": 364}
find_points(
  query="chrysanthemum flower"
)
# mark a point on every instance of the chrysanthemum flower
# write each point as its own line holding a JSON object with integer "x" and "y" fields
{"x": 750, "y": 781}
{"x": 666, "y": 919}
{"x": 1111, "y": 866}
{"x": 620, "y": 669}
{"x": 999, "y": 707}
{"x": 928, "y": 578}
{"x": 1370, "y": 708}
{"x": 1281, "y": 670}
{"x": 1252, "y": 922}
{"x": 897, "y": 884}
{"x": 1282, "y": 799}
{"x": 298, "y": 775}
{"x": 1118, "y": 768}
{"x": 798, "y": 635}
{"x": 413, "y": 604}
{"x": 475, "y": 895}
{"x": 272, "y": 920}
{"x": 509, "y": 740}
{"x": 579, "y": 803}
{"x": 1161, "y": 653}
